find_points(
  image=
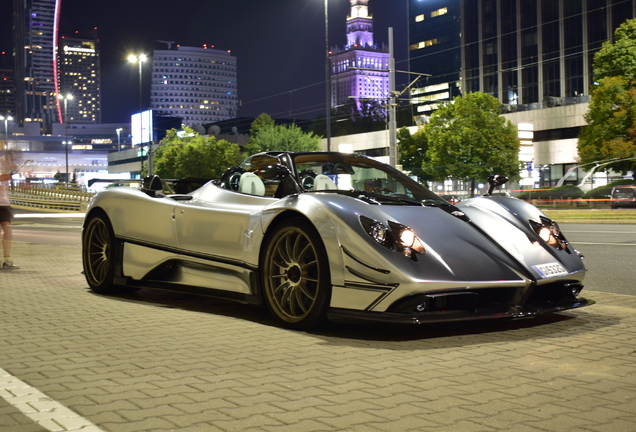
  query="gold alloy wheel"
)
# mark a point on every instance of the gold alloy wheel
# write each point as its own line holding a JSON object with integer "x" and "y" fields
{"x": 97, "y": 250}
{"x": 294, "y": 264}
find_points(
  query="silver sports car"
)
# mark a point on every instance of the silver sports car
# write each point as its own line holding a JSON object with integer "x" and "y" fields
{"x": 332, "y": 236}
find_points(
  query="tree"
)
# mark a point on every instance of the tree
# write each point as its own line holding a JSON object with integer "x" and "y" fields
{"x": 611, "y": 125}
{"x": 412, "y": 151}
{"x": 611, "y": 118}
{"x": 263, "y": 121}
{"x": 194, "y": 156}
{"x": 282, "y": 138}
{"x": 618, "y": 58}
{"x": 469, "y": 139}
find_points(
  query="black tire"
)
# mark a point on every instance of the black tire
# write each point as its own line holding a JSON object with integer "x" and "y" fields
{"x": 98, "y": 255}
{"x": 295, "y": 275}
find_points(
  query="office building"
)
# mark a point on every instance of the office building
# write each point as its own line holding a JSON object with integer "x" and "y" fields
{"x": 360, "y": 69}
{"x": 7, "y": 92}
{"x": 536, "y": 57}
{"x": 79, "y": 75}
{"x": 35, "y": 42}
{"x": 198, "y": 85}
{"x": 434, "y": 50}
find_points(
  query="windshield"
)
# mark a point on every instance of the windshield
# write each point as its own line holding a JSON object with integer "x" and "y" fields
{"x": 351, "y": 172}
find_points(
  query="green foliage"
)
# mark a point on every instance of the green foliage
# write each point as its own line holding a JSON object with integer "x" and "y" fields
{"x": 604, "y": 191}
{"x": 412, "y": 151}
{"x": 562, "y": 192}
{"x": 194, "y": 156}
{"x": 263, "y": 121}
{"x": 469, "y": 139}
{"x": 611, "y": 124}
{"x": 611, "y": 120}
{"x": 269, "y": 137}
{"x": 618, "y": 58}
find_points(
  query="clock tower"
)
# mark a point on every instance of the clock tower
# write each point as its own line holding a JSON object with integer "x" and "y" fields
{"x": 359, "y": 25}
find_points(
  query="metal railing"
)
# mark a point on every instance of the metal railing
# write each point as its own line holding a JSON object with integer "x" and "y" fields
{"x": 59, "y": 196}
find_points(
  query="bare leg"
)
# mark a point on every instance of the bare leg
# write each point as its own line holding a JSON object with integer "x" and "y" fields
{"x": 7, "y": 237}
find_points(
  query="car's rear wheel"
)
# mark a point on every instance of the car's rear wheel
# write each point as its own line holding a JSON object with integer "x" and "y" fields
{"x": 98, "y": 251}
{"x": 295, "y": 274}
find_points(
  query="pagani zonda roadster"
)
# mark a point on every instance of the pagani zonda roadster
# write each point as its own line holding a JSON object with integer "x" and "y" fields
{"x": 335, "y": 236}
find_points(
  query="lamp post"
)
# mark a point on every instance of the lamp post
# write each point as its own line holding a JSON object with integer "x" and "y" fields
{"x": 6, "y": 130}
{"x": 327, "y": 76}
{"x": 141, "y": 58}
{"x": 119, "y": 138}
{"x": 66, "y": 99}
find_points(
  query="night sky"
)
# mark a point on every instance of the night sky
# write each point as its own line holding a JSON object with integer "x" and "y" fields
{"x": 279, "y": 45}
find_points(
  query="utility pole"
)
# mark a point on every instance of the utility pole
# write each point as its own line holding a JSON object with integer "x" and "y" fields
{"x": 392, "y": 105}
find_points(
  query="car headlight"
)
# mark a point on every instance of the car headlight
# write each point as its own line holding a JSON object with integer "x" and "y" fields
{"x": 549, "y": 231}
{"x": 394, "y": 236}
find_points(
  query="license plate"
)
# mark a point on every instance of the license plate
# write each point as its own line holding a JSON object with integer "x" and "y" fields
{"x": 550, "y": 270}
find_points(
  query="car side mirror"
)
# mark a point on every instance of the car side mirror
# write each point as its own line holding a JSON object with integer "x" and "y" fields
{"x": 495, "y": 180}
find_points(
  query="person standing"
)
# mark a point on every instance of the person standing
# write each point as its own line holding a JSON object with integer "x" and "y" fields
{"x": 6, "y": 214}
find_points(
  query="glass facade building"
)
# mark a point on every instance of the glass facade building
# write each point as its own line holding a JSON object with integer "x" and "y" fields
{"x": 536, "y": 53}
{"x": 434, "y": 50}
{"x": 35, "y": 36}
{"x": 197, "y": 84}
{"x": 7, "y": 92}
{"x": 79, "y": 75}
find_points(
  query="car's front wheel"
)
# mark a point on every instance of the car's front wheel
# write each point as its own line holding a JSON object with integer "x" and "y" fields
{"x": 98, "y": 245}
{"x": 295, "y": 274}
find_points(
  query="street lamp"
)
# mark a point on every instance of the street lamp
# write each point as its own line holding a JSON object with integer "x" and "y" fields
{"x": 327, "y": 76}
{"x": 66, "y": 99}
{"x": 141, "y": 58}
{"x": 118, "y": 138}
{"x": 6, "y": 130}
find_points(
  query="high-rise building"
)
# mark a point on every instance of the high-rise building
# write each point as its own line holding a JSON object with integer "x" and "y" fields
{"x": 79, "y": 75}
{"x": 359, "y": 70}
{"x": 434, "y": 50}
{"x": 536, "y": 57}
{"x": 197, "y": 84}
{"x": 526, "y": 52}
{"x": 7, "y": 92}
{"x": 35, "y": 50}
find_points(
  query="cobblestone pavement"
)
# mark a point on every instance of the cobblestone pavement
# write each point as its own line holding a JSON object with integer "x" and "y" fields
{"x": 155, "y": 361}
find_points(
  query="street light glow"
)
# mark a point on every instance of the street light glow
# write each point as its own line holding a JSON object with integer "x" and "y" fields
{"x": 135, "y": 58}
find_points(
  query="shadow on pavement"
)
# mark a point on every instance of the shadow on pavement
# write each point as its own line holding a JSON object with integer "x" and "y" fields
{"x": 394, "y": 337}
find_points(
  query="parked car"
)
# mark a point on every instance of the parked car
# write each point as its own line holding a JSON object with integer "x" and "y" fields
{"x": 332, "y": 236}
{"x": 623, "y": 196}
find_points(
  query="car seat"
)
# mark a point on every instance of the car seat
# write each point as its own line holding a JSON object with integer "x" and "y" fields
{"x": 250, "y": 183}
{"x": 322, "y": 182}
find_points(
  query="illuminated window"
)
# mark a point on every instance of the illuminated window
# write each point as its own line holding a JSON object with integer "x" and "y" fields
{"x": 424, "y": 44}
{"x": 439, "y": 12}
{"x": 419, "y": 18}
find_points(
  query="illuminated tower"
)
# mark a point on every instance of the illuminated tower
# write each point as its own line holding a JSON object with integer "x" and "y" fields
{"x": 360, "y": 70}
{"x": 35, "y": 50}
{"x": 79, "y": 75}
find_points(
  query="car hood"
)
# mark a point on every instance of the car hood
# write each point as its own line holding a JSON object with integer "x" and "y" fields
{"x": 494, "y": 242}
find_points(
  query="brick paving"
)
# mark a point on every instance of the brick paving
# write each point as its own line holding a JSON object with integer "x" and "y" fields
{"x": 155, "y": 361}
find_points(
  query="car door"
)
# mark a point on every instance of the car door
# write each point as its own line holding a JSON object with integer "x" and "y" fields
{"x": 227, "y": 228}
